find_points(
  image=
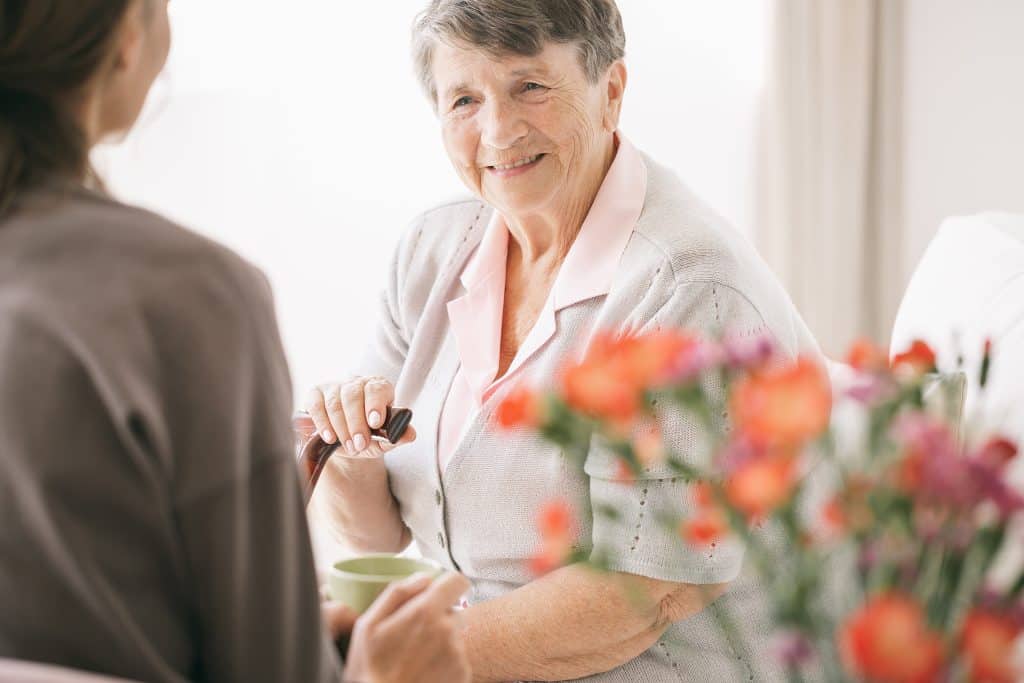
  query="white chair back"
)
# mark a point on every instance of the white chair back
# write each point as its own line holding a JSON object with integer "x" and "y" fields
{"x": 969, "y": 287}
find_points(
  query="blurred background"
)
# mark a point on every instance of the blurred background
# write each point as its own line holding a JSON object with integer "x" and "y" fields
{"x": 836, "y": 134}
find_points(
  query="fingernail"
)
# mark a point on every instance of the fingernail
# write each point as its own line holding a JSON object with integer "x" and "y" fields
{"x": 360, "y": 443}
{"x": 327, "y": 435}
{"x": 349, "y": 448}
{"x": 374, "y": 419}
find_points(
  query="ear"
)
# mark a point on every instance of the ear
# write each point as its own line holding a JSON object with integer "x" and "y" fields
{"x": 128, "y": 50}
{"x": 616, "y": 84}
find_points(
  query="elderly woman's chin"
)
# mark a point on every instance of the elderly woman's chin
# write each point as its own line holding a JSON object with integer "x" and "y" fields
{"x": 521, "y": 191}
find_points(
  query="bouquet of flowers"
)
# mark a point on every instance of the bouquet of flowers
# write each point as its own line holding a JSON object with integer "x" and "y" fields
{"x": 918, "y": 505}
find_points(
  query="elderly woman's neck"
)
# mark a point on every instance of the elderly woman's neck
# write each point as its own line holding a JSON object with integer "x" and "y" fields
{"x": 545, "y": 238}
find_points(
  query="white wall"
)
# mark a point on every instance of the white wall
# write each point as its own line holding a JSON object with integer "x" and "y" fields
{"x": 295, "y": 133}
{"x": 964, "y": 112}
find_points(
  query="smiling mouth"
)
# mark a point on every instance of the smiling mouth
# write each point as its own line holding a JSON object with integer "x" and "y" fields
{"x": 525, "y": 161}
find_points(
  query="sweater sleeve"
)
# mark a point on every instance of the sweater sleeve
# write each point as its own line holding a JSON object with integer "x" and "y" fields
{"x": 640, "y": 541}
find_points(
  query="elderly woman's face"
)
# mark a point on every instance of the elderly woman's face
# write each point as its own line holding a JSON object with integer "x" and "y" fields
{"x": 522, "y": 132}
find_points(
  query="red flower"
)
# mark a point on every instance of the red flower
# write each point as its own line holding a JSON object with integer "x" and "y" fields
{"x": 708, "y": 525}
{"x": 997, "y": 452}
{"x": 866, "y": 356}
{"x": 988, "y": 641}
{"x": 707, "y": 528}
{"x": 520, "y": 408}
{"x": 762, "y": 484}
{"x": 783, "y": 406}
{"x": 888, "y": 641}
{"x": 918, "y": 359}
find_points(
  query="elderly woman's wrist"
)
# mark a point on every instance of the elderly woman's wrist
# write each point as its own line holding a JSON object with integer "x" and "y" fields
{"x": 355, "y": 467}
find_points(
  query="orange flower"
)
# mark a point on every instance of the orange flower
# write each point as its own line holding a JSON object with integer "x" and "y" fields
{"x": 888, "y": 641}
{"x": 910, "y": 471}
{"x": 557, "y": 527}
{"x": 556, "y": 520}
{"x": 917, "y": 360}
{"x": 833, "y": 515}
{"x": 866, "y": 356}
{"x": 648, "y": 445}
{"x": 610, "y": 381}
{"x": 762, "y": 484}
{"x": 832, "y": 523}
{"x": 601, "y": 390}
{"x": 657, "y": 357}
{"x": 520, "y": 408}
{"x": 988, "y": 641}
{"x": 703, "y": 495}
{"x": 783, "y": 406}
{"x": 852, "y": 506}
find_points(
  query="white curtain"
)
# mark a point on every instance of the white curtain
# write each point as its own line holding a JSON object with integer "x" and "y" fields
{"x": 829, "y": 168}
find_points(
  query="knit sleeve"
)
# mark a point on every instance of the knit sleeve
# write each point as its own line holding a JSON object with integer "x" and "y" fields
{"x": 640, "y": 539}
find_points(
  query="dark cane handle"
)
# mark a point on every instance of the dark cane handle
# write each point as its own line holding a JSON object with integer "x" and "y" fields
{"x": 316, "y": 452}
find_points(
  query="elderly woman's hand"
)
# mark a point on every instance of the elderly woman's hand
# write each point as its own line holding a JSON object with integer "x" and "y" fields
{"x": 346, "y": 412}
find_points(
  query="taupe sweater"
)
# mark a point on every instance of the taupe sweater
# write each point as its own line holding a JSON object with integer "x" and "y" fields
{"x": 151, "y": 522}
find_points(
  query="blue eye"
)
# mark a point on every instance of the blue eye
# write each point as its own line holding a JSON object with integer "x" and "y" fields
{"x": 462, "y": 102}
{"x": 533, "y": 86}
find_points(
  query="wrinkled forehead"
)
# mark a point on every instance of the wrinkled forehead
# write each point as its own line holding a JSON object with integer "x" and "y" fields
{"x": 458, "y": 66}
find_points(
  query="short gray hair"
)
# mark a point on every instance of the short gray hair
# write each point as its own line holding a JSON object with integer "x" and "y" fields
{"x": 520, "y": 27}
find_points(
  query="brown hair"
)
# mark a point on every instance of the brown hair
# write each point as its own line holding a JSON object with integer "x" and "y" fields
{"x": 49, "y": 50}
{"x": 521, "y": 27}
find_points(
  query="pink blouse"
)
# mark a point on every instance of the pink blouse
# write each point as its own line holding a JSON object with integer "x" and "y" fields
{"x": 588, "y": 271}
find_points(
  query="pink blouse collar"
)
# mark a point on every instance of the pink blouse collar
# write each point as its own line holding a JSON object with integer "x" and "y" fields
{"x": 587, "y": 272}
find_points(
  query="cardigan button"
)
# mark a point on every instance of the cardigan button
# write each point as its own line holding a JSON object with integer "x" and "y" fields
{"x": 440, "y": 540}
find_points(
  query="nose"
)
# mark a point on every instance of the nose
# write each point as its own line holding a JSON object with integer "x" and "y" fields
{"x": 502, "y": 126}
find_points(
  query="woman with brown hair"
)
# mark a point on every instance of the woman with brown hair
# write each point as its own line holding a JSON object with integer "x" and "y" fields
{"x": 151, "y": 522}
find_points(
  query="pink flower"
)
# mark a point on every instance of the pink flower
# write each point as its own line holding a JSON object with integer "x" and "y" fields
{"x": 747, "y": 353}
{"x": 792, "y": 649}
{"x": 869, "y": 389}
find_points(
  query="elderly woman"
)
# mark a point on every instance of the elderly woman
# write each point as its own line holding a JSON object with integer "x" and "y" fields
{"x": 572, "y": 231}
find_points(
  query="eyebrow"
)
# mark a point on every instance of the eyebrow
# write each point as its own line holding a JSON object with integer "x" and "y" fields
{"x": 458, "y": 87}
{"x": 518, "y": 73}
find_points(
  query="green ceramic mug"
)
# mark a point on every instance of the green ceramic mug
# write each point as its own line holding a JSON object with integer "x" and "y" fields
{"x": 358, "y": 581}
